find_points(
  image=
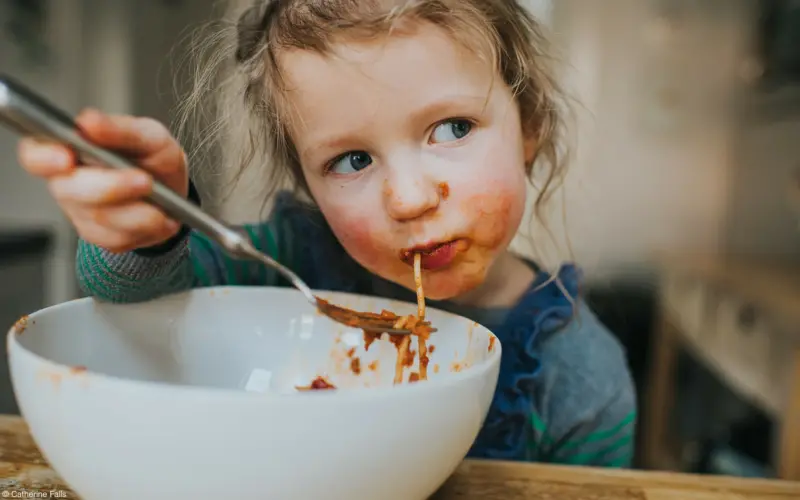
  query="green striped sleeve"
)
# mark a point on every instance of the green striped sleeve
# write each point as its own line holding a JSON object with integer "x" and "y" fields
{"x": 214, "y": 267}
{"x": 129, "y": 277}
{"x": 605, "y": 441}
{"x": 194, "y": 262}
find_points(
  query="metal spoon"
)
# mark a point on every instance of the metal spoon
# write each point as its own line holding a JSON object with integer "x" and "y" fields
{"x": 29, "y": 114}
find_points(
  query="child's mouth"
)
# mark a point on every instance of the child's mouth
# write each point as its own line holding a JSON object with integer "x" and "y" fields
{"x": 436, "y": 255}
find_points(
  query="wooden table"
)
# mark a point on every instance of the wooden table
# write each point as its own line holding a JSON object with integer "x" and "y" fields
{"x": 23, "y": 470}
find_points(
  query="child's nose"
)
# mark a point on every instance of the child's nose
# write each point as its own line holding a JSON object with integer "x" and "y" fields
{"x": 410, "y": 194}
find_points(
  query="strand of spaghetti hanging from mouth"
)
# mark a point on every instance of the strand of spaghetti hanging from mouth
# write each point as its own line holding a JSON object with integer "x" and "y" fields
{"x": 404, "y": 355}
{"x": 422, "y": 346}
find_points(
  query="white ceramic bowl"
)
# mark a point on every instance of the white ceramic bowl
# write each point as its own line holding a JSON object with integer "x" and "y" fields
{"x": 193, "y": 396}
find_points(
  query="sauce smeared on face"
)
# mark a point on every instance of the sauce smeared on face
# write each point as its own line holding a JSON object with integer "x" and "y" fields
{"x": 444, "y": 190}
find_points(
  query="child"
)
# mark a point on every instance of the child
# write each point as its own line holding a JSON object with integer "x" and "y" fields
{"x": 412, "y": 125}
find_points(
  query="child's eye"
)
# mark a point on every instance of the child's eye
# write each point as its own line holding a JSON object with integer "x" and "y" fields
{"x": 451, "y": 130}
{"x": 348, "y": 163}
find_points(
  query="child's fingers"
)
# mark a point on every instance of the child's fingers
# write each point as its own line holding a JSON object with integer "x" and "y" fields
{"x": 134, "y": 135}
{"x": 145, "y": 140}
{"x": 168, "y": 166}
{"x": 122, "y": 228}
{"x": 44, "y": 159}
{"x": 142, "y": 221}
{"x": 98, "y": 185}
{"x": 105, "y": 237}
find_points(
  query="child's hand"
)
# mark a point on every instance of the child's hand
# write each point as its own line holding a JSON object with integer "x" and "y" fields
{"x": 105, "y": 205}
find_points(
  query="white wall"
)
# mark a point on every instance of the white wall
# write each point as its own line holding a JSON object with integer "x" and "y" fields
{"x": 652, "y": 162}
{"x": 761, "y": 219}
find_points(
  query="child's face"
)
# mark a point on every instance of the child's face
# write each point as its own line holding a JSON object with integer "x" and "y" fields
{"x": 411, "y": 142}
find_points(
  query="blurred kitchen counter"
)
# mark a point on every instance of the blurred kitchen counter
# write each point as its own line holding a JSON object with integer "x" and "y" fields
{"x": 740, "y": 317}
{"x": 23, "y": 470}
{"x": 769, "y": 283}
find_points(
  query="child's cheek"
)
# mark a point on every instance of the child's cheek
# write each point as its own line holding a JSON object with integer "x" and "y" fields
{"x": 358, "y": 238}
{"x": 496, "y": 215}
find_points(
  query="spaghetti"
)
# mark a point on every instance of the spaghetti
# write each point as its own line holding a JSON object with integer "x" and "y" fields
{"x": 405, "y": 356}
{"x": 423, "y": 348}
{"x": 419, "y": 329}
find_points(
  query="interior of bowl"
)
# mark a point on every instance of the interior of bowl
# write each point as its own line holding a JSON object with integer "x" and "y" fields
{"x": 255, "y": 339}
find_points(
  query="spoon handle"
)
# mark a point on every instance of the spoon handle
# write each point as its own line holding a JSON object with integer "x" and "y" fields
{"x": 29, "y": 114}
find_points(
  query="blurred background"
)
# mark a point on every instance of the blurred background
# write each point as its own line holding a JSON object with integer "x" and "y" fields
{"x": 682, "y": 202}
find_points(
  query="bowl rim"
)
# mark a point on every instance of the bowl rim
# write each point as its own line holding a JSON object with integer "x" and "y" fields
{"x": 477, "y": 371}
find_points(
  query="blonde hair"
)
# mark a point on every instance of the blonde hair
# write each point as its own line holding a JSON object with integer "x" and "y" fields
{"x": 248, "y": 125}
